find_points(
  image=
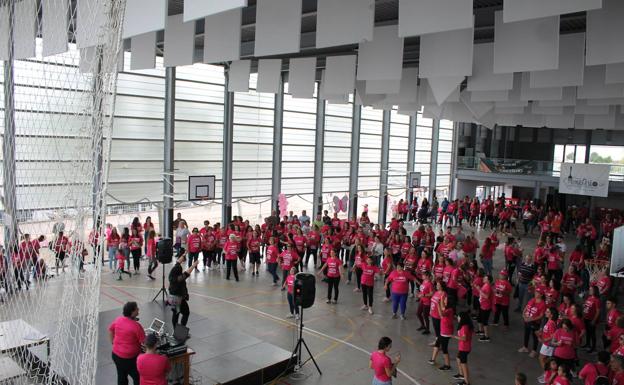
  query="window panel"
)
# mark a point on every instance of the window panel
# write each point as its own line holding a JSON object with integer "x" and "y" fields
{"x": 336, "y": 170}
{"x": 198, "y": 111}
{"x": 252, "y": 116}
{"x": 445, "y": 146}
{"x": 337, "y": 139}
{"x": 397, "y": 156}
{"x": 336, "y": 154}
{"x": 333, "y": 123}
{"x": 297, "y": 153}
{"x": 368, "y": 183}
{"x": 446, "y": 134}
{"x": 297, "y": 170}
{"x": 426, "y": 122}
{"x": 298, "y": 186}
{"x": 370, "y": 155}
{"x": 444, "y": 157}
{"x": 332, "y": 185}
{"x": 424, "y": 132}
{"x": 299, "y": 120}
{"x": 423, "y": 145}
{"x": 199, "y": 92}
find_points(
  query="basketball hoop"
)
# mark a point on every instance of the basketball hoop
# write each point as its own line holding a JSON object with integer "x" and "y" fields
{"x": 595, "y": 267}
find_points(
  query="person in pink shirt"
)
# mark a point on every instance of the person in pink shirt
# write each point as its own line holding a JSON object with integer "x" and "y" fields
{"x": 446, "y": 332}
{"x": 399, "y": 279}
{"x": 231, "y": 250}
{"x": 367, "y": 281}
{"x": 486, "y": 300}
{"x": 152, "y": 367}
{"x": 333, "y": 268}
{"x": 591, "y": 315}
{"x": 151, "y": 254}
{"x": 533, "y": 313}
{"x": 271, "y": 259}
{"x": 387, "y": 265}
{"x": 253, "y": 244}
{"x": 465, "y": 329}
{"x": 592, "y": 370}
{"x": 289, "y": 284}
{"x": 126, "y": 335}
{"x": 425, "y": 292}
{"x": 382, "y": 364}
{"x": 193, "y": 243}
{"x": 502, "y": 294}
{"x": 287, "y": 259}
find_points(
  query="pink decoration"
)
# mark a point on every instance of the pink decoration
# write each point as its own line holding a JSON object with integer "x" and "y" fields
{"x": 282, "y": 204}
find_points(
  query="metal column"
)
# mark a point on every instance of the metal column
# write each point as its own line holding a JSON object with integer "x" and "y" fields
{"x": 8, "y": 144}
{"x": 588, "y": 142}
{"x": 228, "y": 148}
{"x": 168, "y": 166}
{"x": 355, "y": 160}
{"x": 278, "y": 136}
{"x": 411, "y": 156}
{"x": 97, "y": 145}
{"x": 383, "y": 174}
{"x": 319, "y": 144}
{"x": 454, "y": 152}
{"x": 433, "y": 173}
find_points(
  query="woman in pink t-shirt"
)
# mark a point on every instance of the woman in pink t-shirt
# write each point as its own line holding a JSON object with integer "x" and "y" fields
{"x": 367, "y": 281}
{"x": 126, "y": 335}
{"x": 382, "y": 364}
{"x": 333, "y": 269}
{"x": 152, "y": 367}
{"x": 446, "y": 332}
{"x": 289, "y": 284}
{"x": 464, "y": 338}
{"x": 399, "y": 279}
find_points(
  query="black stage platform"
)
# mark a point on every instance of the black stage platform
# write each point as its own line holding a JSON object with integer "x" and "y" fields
{"x": 223, "y": 355}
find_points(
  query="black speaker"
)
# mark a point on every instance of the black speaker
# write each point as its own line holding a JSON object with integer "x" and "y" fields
{"x": 164, "y": 250}
{"x": 304, "y": 290}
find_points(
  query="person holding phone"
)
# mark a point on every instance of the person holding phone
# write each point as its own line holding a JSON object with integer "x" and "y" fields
{"x": 383, "y": 366}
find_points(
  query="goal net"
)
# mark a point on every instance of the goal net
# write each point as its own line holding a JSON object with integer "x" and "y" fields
{"x": 59, "y": 62}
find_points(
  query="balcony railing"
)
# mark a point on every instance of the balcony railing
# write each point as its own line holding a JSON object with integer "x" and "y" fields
{"x": 524, "y": 167}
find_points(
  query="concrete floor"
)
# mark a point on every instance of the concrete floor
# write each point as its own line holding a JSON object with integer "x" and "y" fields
{"x": 340, "y": 336}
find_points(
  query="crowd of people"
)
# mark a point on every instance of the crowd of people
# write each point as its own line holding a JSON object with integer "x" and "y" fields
{"x": 565, "y": 297}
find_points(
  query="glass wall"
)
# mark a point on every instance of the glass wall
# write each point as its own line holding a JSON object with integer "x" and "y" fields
{"x": 445, "y": 154}
{"x": 136, "y": 169}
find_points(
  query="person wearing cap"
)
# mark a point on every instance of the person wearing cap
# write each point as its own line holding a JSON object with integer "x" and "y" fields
{"x": 502, "y": 294}
{"x": 231, "y": 249}
{"x": 152, "y": 367}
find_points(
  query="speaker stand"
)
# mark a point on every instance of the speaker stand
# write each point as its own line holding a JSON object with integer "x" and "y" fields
{"x": 163, "y": 289}
{"x": 301, "y": 342}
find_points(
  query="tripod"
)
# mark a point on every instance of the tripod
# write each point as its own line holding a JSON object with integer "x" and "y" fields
{"x": 301, "y": 342}
{"x": 163, "y": 289}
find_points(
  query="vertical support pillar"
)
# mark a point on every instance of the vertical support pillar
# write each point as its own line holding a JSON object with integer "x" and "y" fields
{"x": 8, "y": 144}
{"x": 355, "y": 160}
{"x": 588, "y": 142}
{"x": 168, "y": 166}
{"x": 536, "y": 190}
{"x": 228, "y": 149}
{"x": 278, "y": 135}
{"x": 433, "y": 173}
{"x": 383, "y": 175}
{"x": 453, "y": 187}
{"x": 319, "y": 144}
{"x": 411, "y": 155}
{"x": 97, "y": 146}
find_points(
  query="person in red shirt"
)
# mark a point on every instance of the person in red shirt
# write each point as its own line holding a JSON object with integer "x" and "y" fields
{"x": 545, "y": 336}
{"x": 61, "y": 246}
{"x": 533, "y": 313}
{"x": 612, "y": 315}
{"x": 592, "y": 370}
{"x": 333, "y": 268}
{"x": 126, "y": 335}
{"x": 313, "y": 239}
{"x": 425, "y": 292}
{"x": 382, "y": 365}
{"x": 287, "y": 259}
{"x": 399, "y": 279}
{"x": 486, "y": 299}
{"x": 446, "y": 332}
{"x": 570, "y": 281}
{"x": 565, "y": 340}
{"x": 152, "y": 367}
{"x": 616, "y": 364}
{"x": 271, "y": 260}
{"x": 487, "y": 254}
{"x": 289, "y": 284}
{"x": 465, "y": 329}
{"x": 253, "y": 244}
{"x": 563, "y": 375}
{"x": 387, "y": 265}
{"x": 193, "y": 243}
{"x": 367, "y": 280}
{"x": 151, "y": 254}
{"x": 135, "y": 243}
{"x": 591, "y": 315}
{"x": 502, "y": 294}
{"x": 231, "y": 250}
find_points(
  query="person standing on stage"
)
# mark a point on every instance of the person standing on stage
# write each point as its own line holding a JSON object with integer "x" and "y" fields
{"x": 178, "y": 293}
{"x": 126, "y": 335}
{"x": 152, "y": 367}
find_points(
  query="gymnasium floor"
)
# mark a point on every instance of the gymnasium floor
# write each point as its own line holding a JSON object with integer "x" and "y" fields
{"x": 340, "y": 336}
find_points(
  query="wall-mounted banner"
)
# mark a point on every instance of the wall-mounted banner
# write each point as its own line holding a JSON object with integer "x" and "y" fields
{"x": 584, "y": 179}
{"x": 507, "y": 166}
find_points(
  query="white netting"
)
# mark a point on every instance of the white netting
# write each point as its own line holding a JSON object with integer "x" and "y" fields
{"x": 59, "y": 75}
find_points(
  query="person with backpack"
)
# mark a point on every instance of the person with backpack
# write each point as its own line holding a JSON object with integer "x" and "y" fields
{"x": 596, "y": 373}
